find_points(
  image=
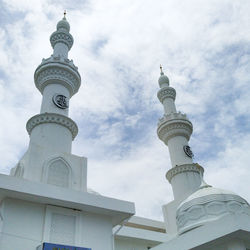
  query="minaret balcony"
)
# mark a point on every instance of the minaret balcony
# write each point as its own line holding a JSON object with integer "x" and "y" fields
{"x": 179, "y": 169}
{"x": 61, "y": 37}
{"x": 58, "y": 119}
{"x": 166, "y": 92}
{"x": 174, "y": 124}
{"x": 57, "y": 69}
{"x": 185, "y": 179}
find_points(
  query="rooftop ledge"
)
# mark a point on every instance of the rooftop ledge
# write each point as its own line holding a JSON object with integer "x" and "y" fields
{"x": 42, "y": 193}
{"x": 211, "y": 234}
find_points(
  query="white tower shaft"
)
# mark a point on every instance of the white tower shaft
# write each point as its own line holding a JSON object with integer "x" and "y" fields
{"x": 61, "y": 50}
{"x": 48, "y": 104}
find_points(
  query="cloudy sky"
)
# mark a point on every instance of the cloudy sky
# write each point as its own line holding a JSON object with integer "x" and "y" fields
{"x": 204, "y": 47}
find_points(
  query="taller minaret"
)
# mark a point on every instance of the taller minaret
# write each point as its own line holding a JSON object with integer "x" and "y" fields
{"x": 57, "y": 79}
{"x": 48, "y": 186}
{"x": 174, "y": 129}
{"x": 49, "y": 157}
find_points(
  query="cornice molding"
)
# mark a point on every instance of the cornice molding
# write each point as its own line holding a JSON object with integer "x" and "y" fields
{"x": 52, "y": 118}
{"x": 194, "y": 167}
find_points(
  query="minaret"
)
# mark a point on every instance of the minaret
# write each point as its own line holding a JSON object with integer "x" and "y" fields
{"x": 174, "y": 129}
{"x": 52, "y": 131}
{"x": 45, "y": 203}
{"x": 57, "y": 79}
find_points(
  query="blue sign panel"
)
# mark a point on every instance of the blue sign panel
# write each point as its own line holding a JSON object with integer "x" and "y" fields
{"x": 50, "y": 246}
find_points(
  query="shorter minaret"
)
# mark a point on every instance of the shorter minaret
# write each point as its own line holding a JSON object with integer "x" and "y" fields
{"x": 174, "y": 129}
{"x": 195, "y": 202}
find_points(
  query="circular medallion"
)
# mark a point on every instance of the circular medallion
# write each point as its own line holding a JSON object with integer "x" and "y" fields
{"x": 60, "y": 101}
{"x": 188, "y": 151}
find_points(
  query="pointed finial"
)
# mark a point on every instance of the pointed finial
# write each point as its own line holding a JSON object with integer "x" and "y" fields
{"x": 161, "y": 70}
{"x": 64, "y": 14}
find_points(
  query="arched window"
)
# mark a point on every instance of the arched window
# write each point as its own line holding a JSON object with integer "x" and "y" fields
{"x": 58, "y": 173}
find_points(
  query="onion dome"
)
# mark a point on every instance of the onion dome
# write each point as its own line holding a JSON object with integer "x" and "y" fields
{"x": 163, "y": 79}
{"x": 63, "y": 24}
{"x": 208, "y": 204}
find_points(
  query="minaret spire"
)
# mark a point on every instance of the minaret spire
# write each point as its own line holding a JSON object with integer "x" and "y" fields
{"x": 61, "y": 40}
{"x": 161, "y": 70}
{"x": 58, "y": 71}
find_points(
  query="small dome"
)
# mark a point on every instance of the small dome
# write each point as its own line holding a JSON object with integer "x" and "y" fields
{"x": 204, "y": 191}
{"x": 208, "y": 204}
{"x": 163, "y": 80}
{"x": 63, "y": 24}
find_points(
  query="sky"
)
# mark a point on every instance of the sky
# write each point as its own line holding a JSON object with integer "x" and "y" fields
{"x": 204, "y": 47}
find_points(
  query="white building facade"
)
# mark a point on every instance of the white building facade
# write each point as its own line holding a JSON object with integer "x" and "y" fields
{"x": 45, "y": 202}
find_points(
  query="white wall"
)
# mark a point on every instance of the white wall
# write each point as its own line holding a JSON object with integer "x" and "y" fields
{"x": 26, "y": 225}
{"x": 22, "y": 225}
{"x": 131, "y": 244}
